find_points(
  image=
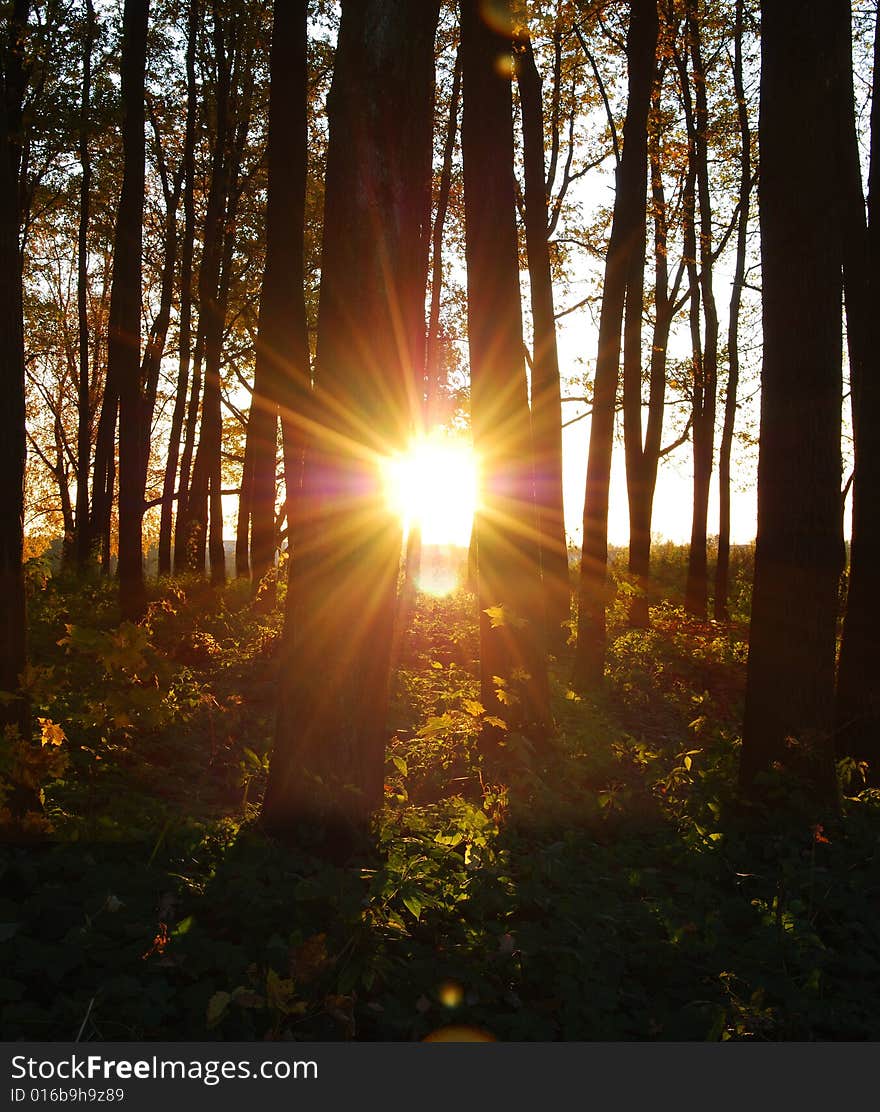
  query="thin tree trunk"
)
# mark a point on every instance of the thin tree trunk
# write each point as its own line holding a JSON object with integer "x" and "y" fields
{"x": 642, "y": 460}
{"x": 84, "y": 398}
{"x": 432, "y": 344}
{"x": 186, "y": 279}
{"x": 123, "y": 354}
{"x": 627, "y": 230}
{"x": 790, "y": 680}
{"x": 14, "y": 712}
{"x": 194, "y": 523}
{"x": 706, "y": 361}
{"x": 155, "y": 347}
{"x": 545, "y": 393}
{"x": 722, "y": 568}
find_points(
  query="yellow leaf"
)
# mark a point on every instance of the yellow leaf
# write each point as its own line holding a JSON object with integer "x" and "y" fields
{"x": 52, "y": 734}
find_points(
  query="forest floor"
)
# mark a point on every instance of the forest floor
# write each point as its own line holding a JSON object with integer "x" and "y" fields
{"x": 610, "y": 889}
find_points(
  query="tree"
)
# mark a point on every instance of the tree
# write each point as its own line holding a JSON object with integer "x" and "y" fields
{"x": 186, "y": 291}
{"x": 705, "y": 346}
{"x": 790, "y": 683}
{"x": 513, "y": 679}
{"x": 84, "y": 415}
{"x": 857, "y": 711}
{"x": 622, "y": 263}
{"x": 327, "y": 765}
{"x": 124, "y": 347}
{"x": 12, "y": 416}
{"x": 546, "y": 406}
{"x": 282, "y": 377}
{"x": 722, "y": 567}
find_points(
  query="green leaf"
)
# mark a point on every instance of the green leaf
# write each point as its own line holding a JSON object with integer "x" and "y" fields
{"x": 217, "y": 1006}
{"x": 413, "y": 904}
{"x": 401, "y": 765}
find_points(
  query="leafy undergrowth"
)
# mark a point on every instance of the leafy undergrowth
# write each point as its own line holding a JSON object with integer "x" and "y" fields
{"x": 609, "y": 889}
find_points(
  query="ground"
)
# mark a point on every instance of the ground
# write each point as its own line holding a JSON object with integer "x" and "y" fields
{"x": 611, "y": 887}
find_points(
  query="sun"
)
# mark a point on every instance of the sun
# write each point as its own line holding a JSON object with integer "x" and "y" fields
{"x": 433, "y": 486}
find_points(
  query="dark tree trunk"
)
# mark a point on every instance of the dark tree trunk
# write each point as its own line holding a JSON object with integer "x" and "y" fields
{"x": 13, "y": 712}
{"x": 84, "y": 413}
{"x": 282, "y": 378}
{"x": 183, "y": 550}
{"x": 545, "y": 392}
{"x": 705, "y": 353}
{"x": 722, "y": 568}
{"x": 512, "y": 633}
{"x": 432, "y": 341}
{"x": 790, "y": 683}
{"x": 858, "y": 685}
{"x": 155, "y": 347}
{"x": 627, "y": 232}
{"x": 104, "y": 473}
{"x": 245, "y": 504}
{"x": 123, "y": 352}
{"x": 201, "y": 499}
{"x": 327, "y": 766}
{"x": 186, "y": 280}
{"x": 642, "y": 460}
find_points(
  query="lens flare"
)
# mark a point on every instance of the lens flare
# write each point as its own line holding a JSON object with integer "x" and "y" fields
{"x": 433, "y": 487}
{"x": 450, "y": 994}
{"x": 459, "y": 1034}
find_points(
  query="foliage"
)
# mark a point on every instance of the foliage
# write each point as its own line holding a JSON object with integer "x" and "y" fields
{"x": 610, "y": 888}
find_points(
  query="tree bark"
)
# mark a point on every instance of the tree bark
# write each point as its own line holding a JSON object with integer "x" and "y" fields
{"x": 705, "y": 353}
{"x": 642, "y": 459}
{"x": 186, "y": 280}
{"x": 14, "y": 712}
{"x": 123, "y": 354}
{"x": 722, "y": 568}
{"x": 212, "y": 312}
{"x": 627, "y": 231}
{"x": 327, "y": 766}
{"x": 513, "y": 676}
{"x": 790, "y": 681}
{"x": 84, "y": 399}
{"x": 282, "y": 381}
{"x": 857, "y": 711}
{"x": 546, "y": 402}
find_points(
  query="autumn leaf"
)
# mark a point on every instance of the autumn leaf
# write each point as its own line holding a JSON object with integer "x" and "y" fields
{"x": 51, "y": 732}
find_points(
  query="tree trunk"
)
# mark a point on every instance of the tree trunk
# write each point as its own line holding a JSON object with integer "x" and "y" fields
{"x": 84, "y": 409}
{"x": 282, "y": 378}
{"x": 194, "y": 526}
{"x": 14, "y": 712}
{"x": 327, "y": 767}
{"x": 642, "y": 460}
{"x": 706, "y": 355}
{"x": 790, "y": 682}
{"x": 155, "y": 347}
{"x": 627, "y": 230}
{"x": 123, "y": 353}
{"x": 545, "y": 392}
{"x": 722, "y": 568}
{"x": 513, "y": 676}
{"x": 857, "y": 710}
{"x": 186, "y": 279}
